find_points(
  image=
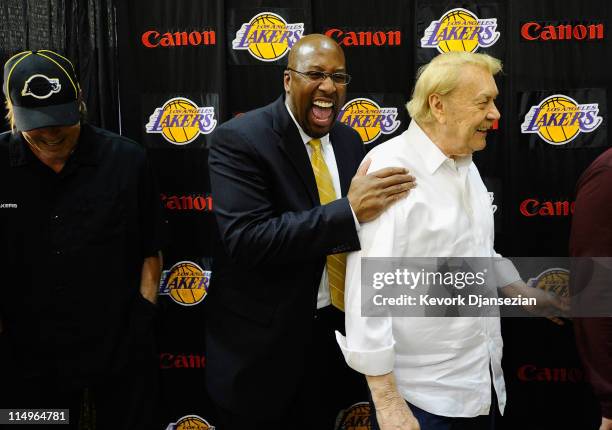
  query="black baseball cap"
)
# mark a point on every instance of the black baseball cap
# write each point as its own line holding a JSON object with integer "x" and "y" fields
{"x": 43, "y": 88}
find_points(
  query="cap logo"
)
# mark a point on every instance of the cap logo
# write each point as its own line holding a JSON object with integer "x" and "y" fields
{"x": 41, "y": 87}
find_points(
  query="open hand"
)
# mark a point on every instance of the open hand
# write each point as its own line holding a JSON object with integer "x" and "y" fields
{"x": 370, "y": 194}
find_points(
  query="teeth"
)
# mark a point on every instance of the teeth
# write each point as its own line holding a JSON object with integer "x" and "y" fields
{"x": 322, "y": 104}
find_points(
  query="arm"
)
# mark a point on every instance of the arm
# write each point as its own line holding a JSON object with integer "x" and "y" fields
{"x": 547, "y": 305}
{"x": 150, "y": 275}
{"x": 150, "y": 217}
{"x": 392, "y": 412}
{"x": 369, "y": 345}
{"x": 254, "y": 232}
{"x": 591, "y": 236}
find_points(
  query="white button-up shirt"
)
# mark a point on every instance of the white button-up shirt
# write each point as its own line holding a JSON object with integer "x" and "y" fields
{"x": 441, "y": 363}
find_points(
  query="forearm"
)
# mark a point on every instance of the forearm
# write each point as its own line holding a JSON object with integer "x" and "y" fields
{"x": 384, "y": 390}
{"x": 150, "y": 275}
{"x": 515, "y": 289}
{"x": 290, "y": 236}
{"x": 392, "y": 411}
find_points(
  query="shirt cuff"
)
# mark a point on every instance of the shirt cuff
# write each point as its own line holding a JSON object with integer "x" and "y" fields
{"x": 372, "y": 363}
{"x": 357, "y": 225}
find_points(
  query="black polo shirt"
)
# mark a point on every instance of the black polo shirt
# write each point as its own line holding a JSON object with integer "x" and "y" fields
{"x": 72, "y": 246}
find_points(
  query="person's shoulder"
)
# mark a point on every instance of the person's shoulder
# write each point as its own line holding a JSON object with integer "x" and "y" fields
{"x": 395, "y": 152}
{"x": 5, "y": 139}
{"x": 107, "y": 142}
{"x": 598, "y": 172}
{"x": 256, "y": 119}
{"x": 249, "y": 129}
{"x": 603, "y": 161}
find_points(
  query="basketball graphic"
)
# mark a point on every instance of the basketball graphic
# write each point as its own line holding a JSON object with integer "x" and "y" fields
{"x": 180, "y": 121}
{"x": 460, "y": 19}
{"x": 190, "y": 422}
{"x": 559, "y": 119}
{"x": 186, "y": 283}
{"x": 460, "y": 30}
{"x": 273, "y": 49}
{"x": 183, "y": 133}
{"x": 555, "y": 134}
{"x": 369, "y": 119}
{"x": 267, "y": 36}
{"x": 555, "y": 280}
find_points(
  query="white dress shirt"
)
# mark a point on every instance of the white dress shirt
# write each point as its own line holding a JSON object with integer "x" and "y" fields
{"x": 441, "y": 363}
{"x": 323, "y": 297}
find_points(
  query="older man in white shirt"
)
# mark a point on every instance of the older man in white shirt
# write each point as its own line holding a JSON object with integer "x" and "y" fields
{"x": 435, "y": 373}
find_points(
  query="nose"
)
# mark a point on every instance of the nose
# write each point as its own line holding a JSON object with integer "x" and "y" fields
{"x": 327, "y": 85}
{"x": 493, "y": 113}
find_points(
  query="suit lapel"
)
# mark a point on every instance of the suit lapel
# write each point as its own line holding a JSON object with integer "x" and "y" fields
{"x": 291, "y": 144}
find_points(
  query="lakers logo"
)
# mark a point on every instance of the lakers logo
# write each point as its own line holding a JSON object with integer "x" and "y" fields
{"x": 41, "y": 87}
{"x": 559, "y": 119}
{"x": 190, "y": 422}
{"x": 186, "y": 283}
{"x": 460, "y": 30}
{"x": 356, "y": 417}
{"x": 181, "y": 121}
{"x": 554, "y": 280}
{"x": 369, "y": 119}
{"x": 267, "y": 36}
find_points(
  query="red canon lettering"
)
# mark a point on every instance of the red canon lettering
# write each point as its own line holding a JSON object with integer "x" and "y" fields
{"x": 147, "y": 37}
{"x": 533, "y": 207}
{"x": 154, "y": 39}
{"x": 538, "y": 31}
{"x": 532, "y": 373}
{"x": 365, "y": 38}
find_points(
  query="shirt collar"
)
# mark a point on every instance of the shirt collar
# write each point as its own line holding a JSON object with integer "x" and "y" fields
{"x": 84, "y": 151}
{"x": 305, "y": 138}
{"x": 432, "y": 156}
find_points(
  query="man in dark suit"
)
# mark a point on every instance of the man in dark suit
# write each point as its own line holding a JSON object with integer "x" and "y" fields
{"x": 277, "y": 174}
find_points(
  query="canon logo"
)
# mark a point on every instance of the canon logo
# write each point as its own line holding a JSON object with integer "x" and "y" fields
{"x": 533, "y": 373}
{"x": 541, "y": 31}
{"x": 191, "y": 202}
{"x": 154, "y": 39}
{"x": 365, "y": 38}
{"x": 533, "y": 207}
{"x": 181, "y": 361}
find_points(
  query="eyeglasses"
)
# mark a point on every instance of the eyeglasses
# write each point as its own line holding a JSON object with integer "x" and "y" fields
{"x": 317, "y": 76}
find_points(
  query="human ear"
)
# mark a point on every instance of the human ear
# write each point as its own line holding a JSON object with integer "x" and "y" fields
{"x": 437, "y": 107}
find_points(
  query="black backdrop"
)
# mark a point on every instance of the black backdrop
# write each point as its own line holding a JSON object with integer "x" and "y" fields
{"x": 124, "y": 54}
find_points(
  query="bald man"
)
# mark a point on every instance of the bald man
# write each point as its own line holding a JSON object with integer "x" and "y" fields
{"x": 289, "y": 202}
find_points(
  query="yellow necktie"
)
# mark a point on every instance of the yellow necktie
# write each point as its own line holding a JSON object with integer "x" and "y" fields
{"x": 336, "y": 263}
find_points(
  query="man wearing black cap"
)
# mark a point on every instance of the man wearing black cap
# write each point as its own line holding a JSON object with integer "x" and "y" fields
{"x": 79, "y": 255}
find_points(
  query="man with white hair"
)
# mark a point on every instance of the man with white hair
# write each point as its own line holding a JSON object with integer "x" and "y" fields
{"x": 435, "y": 373}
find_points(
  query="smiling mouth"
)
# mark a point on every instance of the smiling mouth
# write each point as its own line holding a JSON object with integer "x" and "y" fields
{"x": 52, "y": 143}
{"x": 322, "y": 112}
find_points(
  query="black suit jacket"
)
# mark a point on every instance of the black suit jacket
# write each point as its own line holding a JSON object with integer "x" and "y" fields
{"x": 274, "y": 236}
